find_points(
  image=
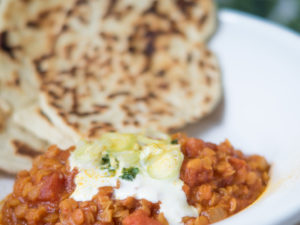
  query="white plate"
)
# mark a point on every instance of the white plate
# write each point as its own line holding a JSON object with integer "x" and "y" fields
{"x": 261, "y": 109}
{"x": 260, "y": 112}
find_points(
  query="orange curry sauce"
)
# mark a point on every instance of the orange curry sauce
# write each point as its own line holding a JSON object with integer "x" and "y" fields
{"x": 218, "y": 180}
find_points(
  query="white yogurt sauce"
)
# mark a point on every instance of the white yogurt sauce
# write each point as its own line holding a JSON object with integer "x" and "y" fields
{"x": 173, "y": 202}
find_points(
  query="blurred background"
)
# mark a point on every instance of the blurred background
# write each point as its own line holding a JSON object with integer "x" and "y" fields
{"x": 285, "y": 12}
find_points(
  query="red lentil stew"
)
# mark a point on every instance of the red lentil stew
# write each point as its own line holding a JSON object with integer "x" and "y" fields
{"x": 218, "y": 180}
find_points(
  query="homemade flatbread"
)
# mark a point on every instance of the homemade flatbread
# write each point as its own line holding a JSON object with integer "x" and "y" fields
{"x": 128, "y": 66}
{"x": 34, "y": 120}
{"x": 178, "y": 84}
{"x": 17, "y": 146}
{"x": 30, "y": 35}
{"x": 27, "y": 30}
{"x": 102, "y": 65}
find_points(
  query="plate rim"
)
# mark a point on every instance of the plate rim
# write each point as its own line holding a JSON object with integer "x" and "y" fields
{"x": 227, "y": 14}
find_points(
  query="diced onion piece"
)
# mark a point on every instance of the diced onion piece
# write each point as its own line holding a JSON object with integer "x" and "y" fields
{"x": 128, "y": 158}
{"x": 163, "y": 167}
{"x": 117, "y": 142}
{"x": 89, "y": 153}
{"x": 162, "y": 161}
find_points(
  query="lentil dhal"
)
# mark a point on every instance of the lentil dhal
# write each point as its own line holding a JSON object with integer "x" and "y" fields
{"x": 218, "y": 181}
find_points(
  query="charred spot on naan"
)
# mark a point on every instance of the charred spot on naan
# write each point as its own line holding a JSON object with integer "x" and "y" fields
{"x": 23, "y": 149}
{"x": 5, "y": 45}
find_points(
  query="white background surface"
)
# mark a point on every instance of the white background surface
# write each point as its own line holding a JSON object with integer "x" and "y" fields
{"x": 260, "y": 112}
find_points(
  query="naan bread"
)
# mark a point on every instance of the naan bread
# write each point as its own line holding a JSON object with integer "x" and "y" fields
{"x": 103, "y": 65}
{"x": 30, "y": 35}
{"x": 34, "y": 120}
{"x": 27, "y": 30}
{"x": 17, "y": 146}
{"x": 178, "y": 84}
{"x": 127, "y": 66}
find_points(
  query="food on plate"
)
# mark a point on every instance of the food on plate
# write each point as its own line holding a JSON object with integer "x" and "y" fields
{"x": 82, "y": 68}
{"x": 134, "y": 70}
{"x": 137, "y": 70}
{"x": 31, "y": 34}
{"x": 133, "y": 179}
{"x": 17, "y": 145}
{"x": 21, "y": 38}
{"x": 181, "y": 85}
{"x": 27, "y": 29}
{"x": 34, "y": 120}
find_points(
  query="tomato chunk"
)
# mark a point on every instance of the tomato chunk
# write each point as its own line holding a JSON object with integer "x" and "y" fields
{"x": 193, "y": 147}
{"x": 51, "y": 187}
{"x": 140, "y": 217}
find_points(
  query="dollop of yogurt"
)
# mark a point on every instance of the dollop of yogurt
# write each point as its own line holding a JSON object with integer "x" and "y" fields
{"x": 158, "y": 164}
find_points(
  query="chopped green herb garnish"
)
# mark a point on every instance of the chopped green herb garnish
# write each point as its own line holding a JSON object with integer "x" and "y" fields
{"x": 174, "y": 142}
{"x": 105, "y": 160}
{"x": 129, "y": 173}
{"x": 109, "y": 164}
